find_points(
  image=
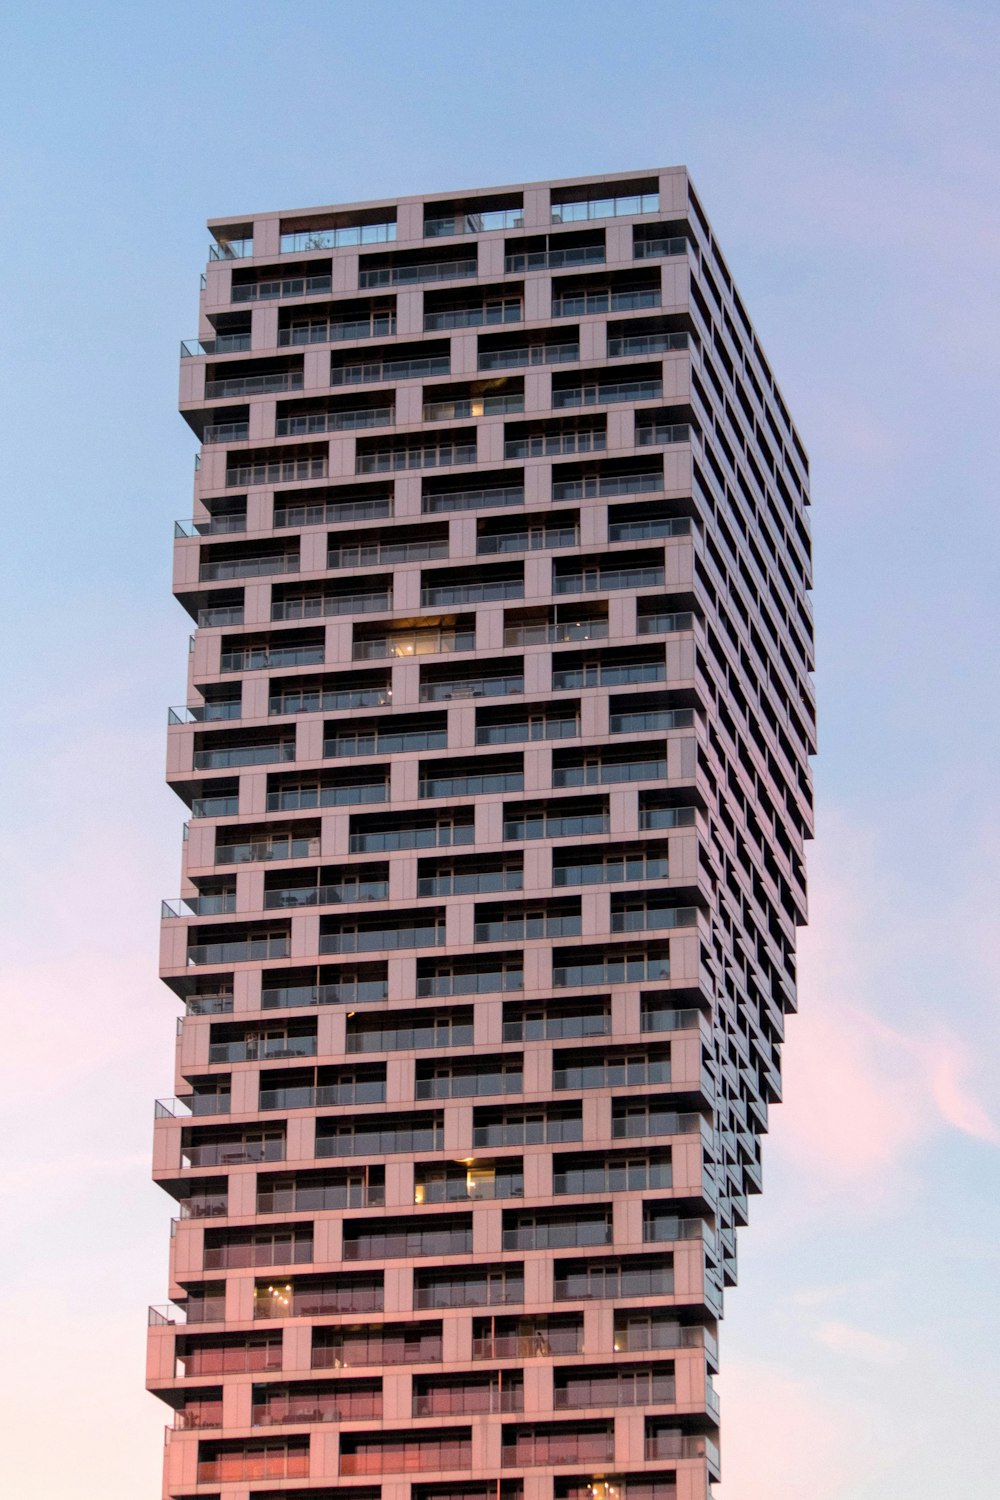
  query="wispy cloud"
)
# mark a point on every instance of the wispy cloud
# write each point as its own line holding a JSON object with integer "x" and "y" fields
{"x": 860, "y": 1343}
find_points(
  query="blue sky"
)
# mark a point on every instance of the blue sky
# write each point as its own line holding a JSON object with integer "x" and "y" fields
{"x": 847, "y": 156}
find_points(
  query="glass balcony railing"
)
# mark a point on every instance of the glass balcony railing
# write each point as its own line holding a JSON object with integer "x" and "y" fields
{"x": 414, "y": 643}
{"x": 235, "y": 249}
{"x": 656, "y": 245}
{"x": 344, "y": 992}
{"x": 632, "y": 344}
{"x": 266, "y": 849}
{"x": 488, "y": 313}
{"x": 473, "y": 499}
{"x": 309, "y": 423}
{"x": 346, "y": 892}
{"x": 471, "y": 687}
{"x": 199, "y": 906}
{"x": 536, "y": 540}
{"x": 528, "y": 354}
{"x": 555, "y": 258}
{"x": 303, "y": 241}
{"x": 479, "y": 222}
{"x": 473, "y": 406}
{"x": 604, "y": 392}
{"x": 573, "y": 212}
{"x": 244, "y": 951}
{"x": 289, "y": 286}
{"x": 415, "y": 273}
{"x": 332, "y": 330}
{"x": 223, "y": 343}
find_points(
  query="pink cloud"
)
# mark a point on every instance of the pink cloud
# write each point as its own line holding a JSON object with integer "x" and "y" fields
{"x": 783, "y": 1440}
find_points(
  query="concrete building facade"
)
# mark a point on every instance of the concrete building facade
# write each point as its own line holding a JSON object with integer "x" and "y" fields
{"x": 496, "y": 753}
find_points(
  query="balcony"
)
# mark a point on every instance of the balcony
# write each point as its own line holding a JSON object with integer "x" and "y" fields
{"x": 323, "y": 603}
{"x": 540, "y": 1344}
{"x": 612, "y": 869}
{"x": 589, "y": 486}
{"x": 536, "y": 539}
{"x": 647, "y": 918}
{"x": 557, "y": 1447}
{"x": 502, "y": 1393}
{"x": 604, "y": 393}
{"x": 442, "y": 834}
{"x": 324, "y": 1096}
{"x": 459, "y": 688}
{"x": 192, "y": 1104}
{"x": 311, "y": 700}
{"x": 525, "y": 355}
{"x": 611, "y": 968}
{"x": 558, "y": 1234}
{"x": 262, "y": 566}
{"x": 372, "y": 506}
{"x": 345, "y": 992}
{"x": 259, "y": 658}
{"x": 237, "y": 247}
{"x": 677, "y": 1445}
{"x": 480, "y": 592}
{"x": 667, "y": 623}
{"x": 556, "y": 825}
{"x": 220, "y": 525}
{"x": 623, "y": 345}
{"x": 388, "y": 1455}
{"x": 611, "y": 1072}
{"x": 460, "y": 882}
{"x": 346, "y": 892}
{"x": 262, "y": 1048}
{"x": 417, "y": 273}
{"x": 470, "y": 980}
{"x": 384, "y": 939}
{"x": 265, "y": 1463}
{"x": 232, "y": 1153}
{"x": 223, "y": 343}
{"x": 276, "y": 471}
{"x": 539, "y": 1127}
{"x": 485, "y": 405}
{"x": 212, "y": 711}
{"x": 381, "y": 1141}
{"x": 198, "y": 906}
{"x": 605, "y": 579}
{"x": 386, "y": 553}
{"x": 238, "y": 951}
{"x": 648, "y": 433}
{"x": 489, "y": 497}
{"x": 651, "y": 246}
{"x": 413, "y": 643}
{"x": 572, "y": 211}
{"x": 303, "y": 241}
{"x": 556, "y": 257}
{"x": 474, "y": 222}
{"x": 469, "y": 1083}
{"x": 415, "y": 453}
{"x": 604, "y": 300}
{"x": 289, "y": 286}
{"x": 277, "y": 383}
{"x": 225, "y": 757}
{"x": 632, "y": 1388}
{"x": 388, "y": 367}
{"x": 226, "y": 432}
{"x": 380, "y": 323}
{"x": 306, "y": 424}
{"x": 532, "y": 728}
{"x": 325, "y": 1405}
{"x": 475, "y": 315}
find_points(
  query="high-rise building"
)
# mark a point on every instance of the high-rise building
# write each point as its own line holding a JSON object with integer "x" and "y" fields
{"x": 496, "y": 754}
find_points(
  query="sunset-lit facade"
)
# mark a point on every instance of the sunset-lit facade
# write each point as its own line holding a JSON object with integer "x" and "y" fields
{"x": 496, "y": 754}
